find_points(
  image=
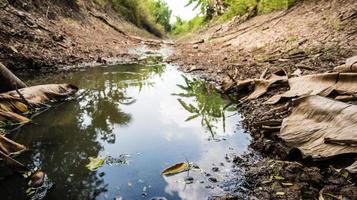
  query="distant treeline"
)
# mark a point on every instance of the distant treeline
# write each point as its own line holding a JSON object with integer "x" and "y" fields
{"x": 223, "y": 10}
{"x": 152, "y": 15}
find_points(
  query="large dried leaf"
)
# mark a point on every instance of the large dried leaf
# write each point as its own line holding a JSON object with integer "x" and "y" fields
{"x": 40, "y": 94}
{"x": 15, "y": 103}
{"x": 262, "y": 85}
{"x": 352, "y": 168}
{"x": 350, "y": 66}
{"x": 12, "y": 118}
{"x": 319, "y": 84}
{"x": 321, "y": 127}
{"x": 177, "y": 168}
{"x": 8, "y": 146}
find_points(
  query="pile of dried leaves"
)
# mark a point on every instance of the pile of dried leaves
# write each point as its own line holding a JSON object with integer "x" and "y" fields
{"x": 321, "y": 125}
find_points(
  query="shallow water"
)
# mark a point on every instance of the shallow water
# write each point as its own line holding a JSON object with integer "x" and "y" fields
{"x": 153, "y": 116}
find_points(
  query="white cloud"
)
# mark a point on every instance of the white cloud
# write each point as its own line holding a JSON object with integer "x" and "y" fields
{"x": 178, "y": 9}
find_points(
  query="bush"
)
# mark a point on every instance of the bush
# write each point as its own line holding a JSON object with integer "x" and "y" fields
{"x": 152, "y": 15}
{"x": 188, "y": 26}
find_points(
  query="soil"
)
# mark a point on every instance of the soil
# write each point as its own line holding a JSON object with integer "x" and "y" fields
{"x": 48, "y": 36}
{"x": 312, "y": 36}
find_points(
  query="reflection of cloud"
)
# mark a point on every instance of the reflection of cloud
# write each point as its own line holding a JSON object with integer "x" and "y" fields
{"x": 214, "y": 154}
{"x": 172, "y": 113}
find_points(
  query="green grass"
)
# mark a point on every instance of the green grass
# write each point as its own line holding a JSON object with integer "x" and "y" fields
{"x": 267, "y": 6}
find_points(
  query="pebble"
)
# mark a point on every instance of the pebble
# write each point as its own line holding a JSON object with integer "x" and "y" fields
{"x": 215, "y": 169}
{"x": 213, "y": 180}
{"x": 37, "y": 179}
{"x": 189, "y": 180}
{"x": 158, "y": 198}
{"x": 209, "y": 186}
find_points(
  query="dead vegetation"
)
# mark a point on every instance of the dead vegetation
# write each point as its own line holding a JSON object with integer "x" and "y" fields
{"x": 270, "y": 59}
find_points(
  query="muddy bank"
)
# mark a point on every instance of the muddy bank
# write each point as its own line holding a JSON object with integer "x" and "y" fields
{"x": 48, "y": 36}
{"x": 310, "y": 38}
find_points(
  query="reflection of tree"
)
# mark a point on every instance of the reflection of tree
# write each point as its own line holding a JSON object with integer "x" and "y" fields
{"x": 63, "y": 138}
{"x": 107, "y": 92}
{"x": 204, "y": 102}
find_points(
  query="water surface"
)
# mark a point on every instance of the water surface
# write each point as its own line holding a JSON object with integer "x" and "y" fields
{"x": 153, "y": 116}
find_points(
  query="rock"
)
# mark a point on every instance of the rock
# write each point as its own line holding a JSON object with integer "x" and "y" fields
{"x": 37, "y": 179}
{"x": 238, "y": 160}
{"x": 158, "y": 198}
{"x": 213, "y": 180}
{"x": 189, "y": 180}
{"x": 215, "y": 169}
{"x": 195, "y": 46}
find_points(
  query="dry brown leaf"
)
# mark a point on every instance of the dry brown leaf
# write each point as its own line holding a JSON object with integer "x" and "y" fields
{"x": 319, "y": 84}
{"x": 12, "y": 104}
{"x": 43, "y": 93}
{"x": 177, "y": 168}
{"x": 12, "y": 118}
{"x": 350, "y": 66}
{"x": 8, "y": 146}
{"x": 316, "y": 119}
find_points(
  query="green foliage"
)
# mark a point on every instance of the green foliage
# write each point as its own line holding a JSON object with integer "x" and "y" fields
{"x": 237, "y": 7}
{"x": 266, "y": 6}
{"x": 204, "y": 103}
{"x": 152, "y": 15}
{"x": 206, "y": 7}
{"x": 162, "y": 13}
{"x": 192, "y": 25}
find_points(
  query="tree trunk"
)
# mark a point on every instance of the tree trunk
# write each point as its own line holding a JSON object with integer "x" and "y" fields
{"x": 9, "y": 81}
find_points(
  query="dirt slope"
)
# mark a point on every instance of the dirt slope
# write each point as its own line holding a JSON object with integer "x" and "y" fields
{"x": 47, "y": 35}
{"x": 311, "y": 37}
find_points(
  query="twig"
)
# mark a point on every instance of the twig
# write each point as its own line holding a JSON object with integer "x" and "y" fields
{"x": 105, "y": 21}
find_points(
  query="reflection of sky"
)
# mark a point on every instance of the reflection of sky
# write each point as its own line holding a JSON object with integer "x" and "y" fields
{"x": 179, "y": 9}
{"x": 156, "y": 136}
{"x": 160, "y": 135}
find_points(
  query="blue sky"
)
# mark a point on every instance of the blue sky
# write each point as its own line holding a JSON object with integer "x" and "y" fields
{"x": 178, "y": 9}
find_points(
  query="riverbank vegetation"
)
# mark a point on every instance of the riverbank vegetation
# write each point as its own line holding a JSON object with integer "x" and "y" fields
{"x": 218, "y": 11}
{"x": 152, "y": 15}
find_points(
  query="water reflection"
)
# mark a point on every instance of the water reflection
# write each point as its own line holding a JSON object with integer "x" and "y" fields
{"x": 204, "y": 102}
{"x": 128, "y": 109}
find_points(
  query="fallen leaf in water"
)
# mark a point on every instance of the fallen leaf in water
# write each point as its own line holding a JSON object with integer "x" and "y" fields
{"x": 95, "y": 163}
{"x": 177, "y": 168}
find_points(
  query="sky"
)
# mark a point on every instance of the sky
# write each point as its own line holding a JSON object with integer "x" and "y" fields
{"x": 178, "y": 9}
